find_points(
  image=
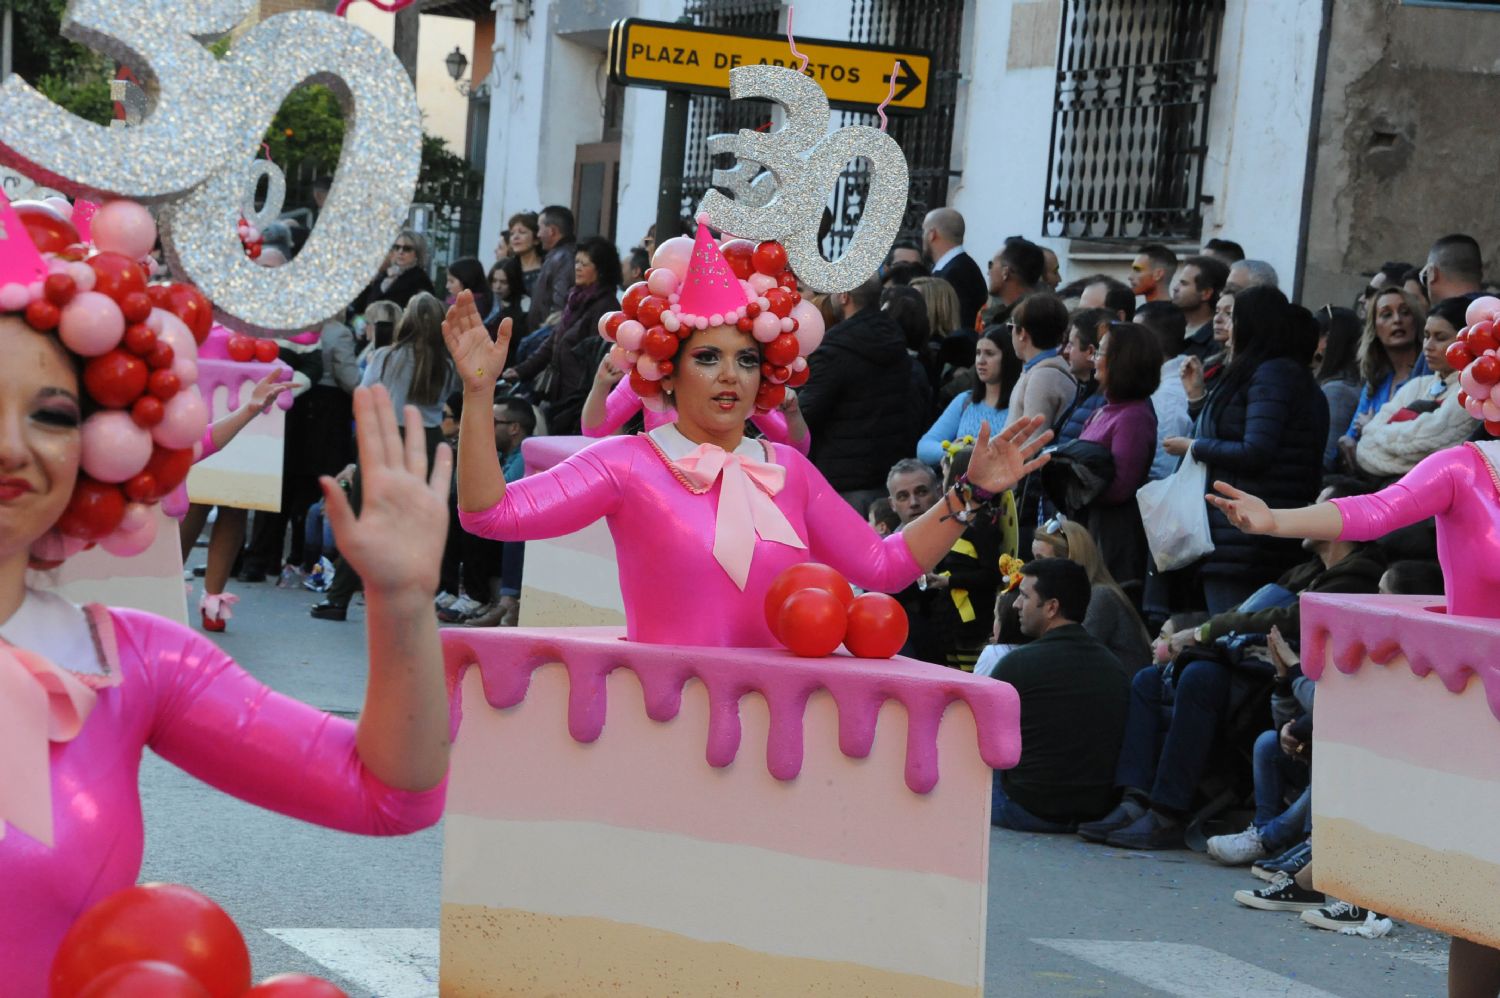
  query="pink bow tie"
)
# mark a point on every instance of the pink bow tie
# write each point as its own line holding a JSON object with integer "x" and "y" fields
{"x": 39, "y": 703}
{"x": 745, "y": 506}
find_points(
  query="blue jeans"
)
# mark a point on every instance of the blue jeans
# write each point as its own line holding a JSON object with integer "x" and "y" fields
{"x": 1275, "y": 773}
{"x": 1167, "y": 745}
{"x": 1006, "y": 813}
{"x": 512, "y": 562}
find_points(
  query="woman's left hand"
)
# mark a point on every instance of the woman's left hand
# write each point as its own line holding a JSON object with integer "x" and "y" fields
{"x": 1177, "y": 446}
{"x": 1001, "y": 461}
{"x": 402, "y": 525}
{"x": 267, "y": 389}
{"x": 789, "y": 404}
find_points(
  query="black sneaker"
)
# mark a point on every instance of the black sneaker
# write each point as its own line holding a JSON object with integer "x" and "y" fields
{"x": 1339, "y": 915}
{"x": 329, "y": 610}
{"x": 1127, "y": 812}
{"x": 1152, "y": 830}
{"x": 1282, "y": 894}
{"x": 1289, "y": 862}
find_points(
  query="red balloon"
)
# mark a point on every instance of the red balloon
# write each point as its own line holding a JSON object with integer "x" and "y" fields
{"x": 42, "y": 315}
{"x": 1458, "y": 356}
{"x": 147, "y": 412}
{"x": 799, "y": 378}
{"x": 48, "y": 230}
{"x": 660, "y": 344}
{"x": 241, "y": 348}
{"x": 752, "y": 309}
{"x": 59, "y": 289}
{"x": 143, "y": 487}
{"x": 777, "y": 374}
{"x": 295, "y": 986}
{"x": 94, "y": 510}
{"x": 1481, "y": 338}
{"x": 745, "y": 324}
{"x": 136, "y": 306}
{"x": 644, "y": 387}
{"x": 116, "y": 275}
{"x": 266, "y": 351}
{"x": 634, "y": 295}
{"x": 1486, "y": 369}
{"x": 769, "y": 395}
{"x": 188, "y": 304}
{"x": 803, "y": 575}
{"x": 115, "y": 379}
{"x": 649, "y": 312}
{"x": 166, "y": 922}
{"x": 877, "y": 626}
{"x": 812, "y": 622}
{"x": 787, "y": 279}
{"x": 163, "y": 384}
{"x": 770, "y": 258}
{"x": 1493, "y": 427}
{"x": 161, "y": 356}
{"x": 169, "y": 468}
{"x": 140, "y": 339}
{"x": 161, "y": 296}
{"x": 612, "y": 324}
{"x": 781, "y": 301}
{"x": 740, "y": 255}
{"x": 144, "y": 979}
{"x": 782, "y": 350}
{"x": 666, "y": 367}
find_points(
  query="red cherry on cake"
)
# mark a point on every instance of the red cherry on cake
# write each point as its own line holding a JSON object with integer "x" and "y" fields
{"x": 804, "y": 575}
{"x": 812, "y": 622}
{"x": 266, "y": 351}
{"x": 241, "y": 348}
{"x": 877, "y": 626}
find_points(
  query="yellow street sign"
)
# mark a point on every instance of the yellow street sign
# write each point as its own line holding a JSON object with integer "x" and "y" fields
{"x": 698, "y": 60}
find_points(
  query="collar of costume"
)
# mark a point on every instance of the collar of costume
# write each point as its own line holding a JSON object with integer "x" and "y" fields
{"x": 39, "y": 704}
{"x": 746, "y": 490}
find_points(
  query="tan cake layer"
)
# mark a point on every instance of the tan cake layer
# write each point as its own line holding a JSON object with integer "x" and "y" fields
{"x": 1445, "y": 890}
{"x": 542, "y": 608}
{"x": 497, "y": 953}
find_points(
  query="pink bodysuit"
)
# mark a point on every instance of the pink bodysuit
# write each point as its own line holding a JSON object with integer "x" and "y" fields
{"x": 170, "y": 689}
{"x": 1458, "y": 486}
{"x": 675, "y": 591}
{"x": 623, "y": 402}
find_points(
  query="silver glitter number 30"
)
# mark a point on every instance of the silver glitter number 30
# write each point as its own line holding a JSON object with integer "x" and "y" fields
{"x": 806, "y": 161}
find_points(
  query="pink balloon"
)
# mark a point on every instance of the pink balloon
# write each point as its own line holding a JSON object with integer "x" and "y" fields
{"x": 674, "y": 255}
{"x": 187, "y": 372}
{"x": 124, "y": 227}
{"x": 1475, "y": 408}
{"x": 662, "y": 282}
{"x": 114, "y": 447}
{"x": 809, "y": 326}
{"x": 647, "y": 367}
{"x": 1472, "y": 387}
{"x": 129, "y": 543}
{"x": 761, "y": 283}
{"x": 183, "y": 423}
{"x": 766, "y": 327}
{"x": 14, "y": 297}
{"x": 136, "y": 513}
{"x": 604, "y": 321}
{"x": 670, "y": 322}
{"x": 175, "y": 332}
{"x": 1490, "y": 409}
{"x": 83, "y": 275}
{"x": 1483, "y": 307}
{"x": 630, "y": 334}
{"x": 618, "y": 358}
{"x": 92, "y": 324}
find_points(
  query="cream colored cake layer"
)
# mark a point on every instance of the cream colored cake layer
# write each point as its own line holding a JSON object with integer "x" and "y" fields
{"x": 498, "y": 953}
{"x": 1446, "y": 890}
{"x": 581, "y": 566}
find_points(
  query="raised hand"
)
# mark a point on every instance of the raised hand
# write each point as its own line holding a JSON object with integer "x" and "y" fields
{"x": 1245, "y": 511}
{"x": 999, "y": 462}
{"x": 267, "y": 389}
{"x": 402, "y": 525}
{"x": 479, "y": 359}
{"x": 608, "y": 374}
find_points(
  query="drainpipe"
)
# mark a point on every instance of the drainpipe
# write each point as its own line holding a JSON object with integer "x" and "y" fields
{"x": 1309, "y": 175}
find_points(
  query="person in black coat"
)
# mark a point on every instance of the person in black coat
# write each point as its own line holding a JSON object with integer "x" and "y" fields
{"x": 943, "y": 239}
{"x": 1262, "y": 428}
{"x": 404, "y": 276}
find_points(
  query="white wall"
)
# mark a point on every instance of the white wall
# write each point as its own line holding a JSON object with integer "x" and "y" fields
{"x": 444, "y": 109}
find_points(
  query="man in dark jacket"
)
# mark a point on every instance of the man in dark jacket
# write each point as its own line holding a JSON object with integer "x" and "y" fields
{"x": 1074, "y": 699}
{"x": 943, "y": 241}
{"x": 1159, "y": 775}
{"x": 858, "y": 399}
{"x": 555, "y": 229}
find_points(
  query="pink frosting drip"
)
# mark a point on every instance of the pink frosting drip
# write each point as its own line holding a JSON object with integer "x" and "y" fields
{"x": 1353, "y": 628}
{"x": 506, "y": 660}
{"x": 216, "y": 374}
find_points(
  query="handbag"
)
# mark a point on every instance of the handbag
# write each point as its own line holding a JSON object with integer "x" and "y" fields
{"x": 1175, "y": 515}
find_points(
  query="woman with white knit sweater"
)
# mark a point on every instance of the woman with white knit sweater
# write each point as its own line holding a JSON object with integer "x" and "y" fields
{"x": 1424, "y": 415}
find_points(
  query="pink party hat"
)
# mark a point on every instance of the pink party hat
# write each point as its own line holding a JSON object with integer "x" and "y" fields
{"x": 710, "y": 293}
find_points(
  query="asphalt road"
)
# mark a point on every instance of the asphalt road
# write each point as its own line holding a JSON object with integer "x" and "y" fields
{"x": 1066, "y": 918}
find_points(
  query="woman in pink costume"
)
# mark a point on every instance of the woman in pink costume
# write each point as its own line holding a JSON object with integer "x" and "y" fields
{"x": 703, "y": 518}
{"x": 83, "y": 691}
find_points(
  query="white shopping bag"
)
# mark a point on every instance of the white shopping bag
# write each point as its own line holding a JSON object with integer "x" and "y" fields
{"x": 1175, "y": 516}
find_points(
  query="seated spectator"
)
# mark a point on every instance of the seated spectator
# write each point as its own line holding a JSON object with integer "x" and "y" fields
{"x": 1128, "y": 366}
{"x": 985, "y": 403}
{"x": 1424, "y": 416}
{"x": 913, "y": 489}
{"x": 1389, "y": 355}
{"x": 883, "y": 518}
{"x": 1086, "y": 327}
{"x": 1412, "y": 578}
{"x": 1170, "y": 402}
{"x": 1158, "y": 775}
{"x": 1102, "y": 291}
{"x": 1005, "y": 638}
{"x": 404, "y": 274}
{"x": 1073, "y": 707}
{"x": 1111, "y": 619}
{"x": 1337, "y": 372}
{"x": 1046, "y": 387}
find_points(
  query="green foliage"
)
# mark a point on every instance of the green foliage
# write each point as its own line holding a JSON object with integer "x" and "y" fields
{"x": 309, "y": 128}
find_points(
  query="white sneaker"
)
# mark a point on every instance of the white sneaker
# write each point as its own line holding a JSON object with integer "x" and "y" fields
{"x": 1238, "y": 849}
{"x": 445, "y": 600}
{"x": 464, "y": 607}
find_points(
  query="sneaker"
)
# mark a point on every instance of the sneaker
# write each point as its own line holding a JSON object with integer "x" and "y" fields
{"x": 464, "y": 607}
{"x": 1282, "y": 894}
{"x": 1339, "y": 915}
{"x": 1152, "y": 830}
{"x": 1238, "y": 849}
{"x": 485, "y": 616}
{"x": 455, "y": 614}
{"x": 1289, "y": 862}
{"x": 1127, "y": 812}
{"x": 319, "y": 577}
{"x": 444, "y": 600}
{"x": 290, "y": 578}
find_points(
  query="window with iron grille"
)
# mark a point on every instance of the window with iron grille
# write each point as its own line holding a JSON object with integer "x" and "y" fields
{"x": 1130, "y": 121}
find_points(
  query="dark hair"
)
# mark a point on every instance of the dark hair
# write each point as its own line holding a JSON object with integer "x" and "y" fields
{"x": 867, "y": 295}
{"x": 515, "y": 279}
{"x": 1261, "y": 332}
{"x": 520, "y": 410}
{"x": 470, "y": 273}
{"x": 323, "y": 183}
{"x": 1026, "y": 258}
{"x": 1458, "y": 255}
{"x": 1168, "y": 324}
{"x": 562, "y": 219}
{"x": 1159, "y": 255}
{"x": 1453, "y": 310}
{"x": 908, "y": 309}
{"x": 1010, "y": 366}
{"x": 1063, "y": 580}
{"x": 1341, "y": 352}
{"x": 903, "y": 273}
{"x": 1394, "y": 271}
{"x": 1134, "y": 362}
{"x": 602, "y": 254}
{"x": 1085, "y": 323}
{"x": 1213, "y": 273}
{"x": 1009, "y": 630}
{"x": 1302, "y": 327}
{"x": 1414, "y": 578}
{"x": 526, "y": 218}
{"x": 906, "y": 244}
{"x": 639, "y": 258}
{"x": 1227, "y": 247}
{"x": 883, "y": 512}
{"x": 1044, "y": 317}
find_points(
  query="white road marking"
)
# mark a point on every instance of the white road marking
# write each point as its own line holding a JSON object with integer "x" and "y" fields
{"x": 1184, "y": 969}
{"x": 391, "y": 963}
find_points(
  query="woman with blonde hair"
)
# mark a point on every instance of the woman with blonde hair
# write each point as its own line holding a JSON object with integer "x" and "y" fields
{"x": 1390, "y": 353}
{"x": 405, "y": 273}
{"x": 1111, "y": 619}
{"x": 943, "y": 310}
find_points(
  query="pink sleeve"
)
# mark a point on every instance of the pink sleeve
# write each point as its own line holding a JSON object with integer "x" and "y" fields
{"x": 619, "y": 405}
{"x": 209, "y": 450}
{"x": 1426, "y": 490}
{"x": 215, "y": 721}
{"x": 840, "y": 537}
{"x": 564, "y": 498}
{"x": 773, "y": 425}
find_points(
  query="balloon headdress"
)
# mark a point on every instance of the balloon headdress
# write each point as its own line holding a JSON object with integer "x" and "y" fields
{"x": 136, "y": 347}
{"x": 1475, "y": 354}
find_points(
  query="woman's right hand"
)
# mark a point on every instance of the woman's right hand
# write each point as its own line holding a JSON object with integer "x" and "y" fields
{"x": 1192, "y": 377}
{"x": 479, "y": 359}
{"x": 1247, "y": 512}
